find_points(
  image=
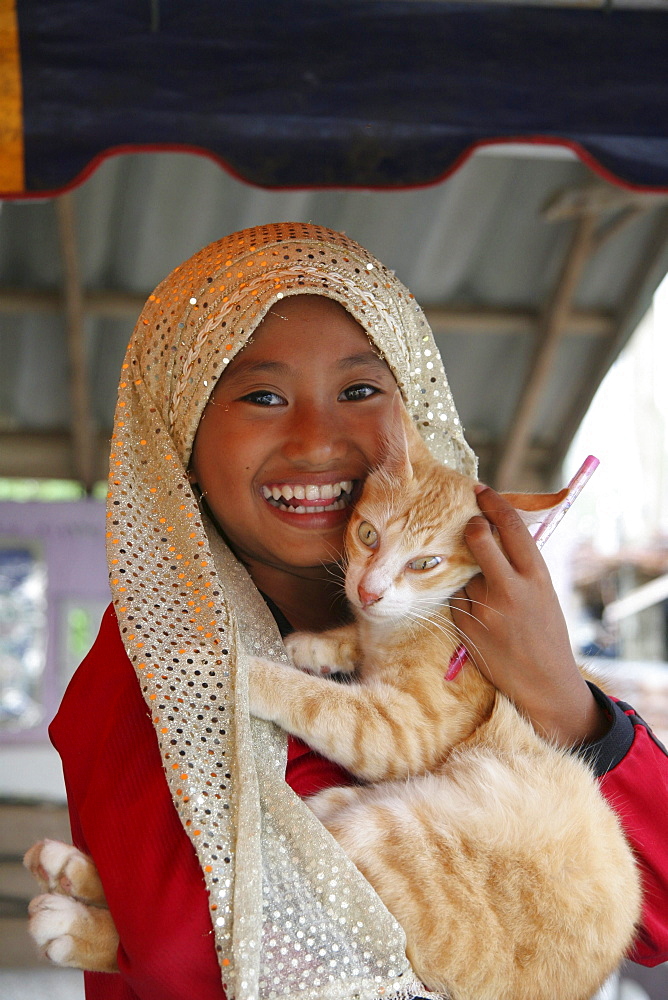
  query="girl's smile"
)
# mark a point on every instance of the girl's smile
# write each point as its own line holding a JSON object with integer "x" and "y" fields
{"x": 288, "y": 436}
{"x": 310, "y": 498}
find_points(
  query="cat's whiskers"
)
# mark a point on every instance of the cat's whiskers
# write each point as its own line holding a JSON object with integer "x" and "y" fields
{"x": 454, "y": 634}
{"x": 444, "y": 626}
{"x": 433, "y": 605}
{"x": 337, "y": 566}
{"x": 336, "y": 569}
{"x": 475, "y": 618}
{"x": 474, "y": 654}
{"x": 482, "y": 604}
{"x": 454, "y": 631}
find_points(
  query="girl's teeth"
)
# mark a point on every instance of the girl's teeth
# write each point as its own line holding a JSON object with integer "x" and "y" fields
{"x": 329, "y": 491}
{"x": 335, "y": 505}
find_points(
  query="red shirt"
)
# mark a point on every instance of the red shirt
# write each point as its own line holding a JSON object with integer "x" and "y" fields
{"x": 122, "y": 815}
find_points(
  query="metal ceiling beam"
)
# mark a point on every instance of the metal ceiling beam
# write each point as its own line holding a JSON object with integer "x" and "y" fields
{"x": 110, "y": 305}
{"x": 81, "y": 424}
{"x": 547, "y": 343}
{"x": 601, "y": 212}
{"x": 444, "y": 320}
{"x": 48, "y": 455}
{"x": 648, "y": 273}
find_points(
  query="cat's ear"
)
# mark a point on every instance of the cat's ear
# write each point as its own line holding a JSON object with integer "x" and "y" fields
{"x": 532, "y": 507}
{"x": 396, "y": 459}
{"x": 403, "y": 442}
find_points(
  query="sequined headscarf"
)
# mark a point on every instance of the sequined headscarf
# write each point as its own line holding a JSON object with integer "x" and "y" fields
{"x": 292, "y": 916}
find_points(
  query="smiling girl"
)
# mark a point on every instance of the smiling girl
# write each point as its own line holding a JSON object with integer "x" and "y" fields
{"x": 285, "y": 444}
{"x": 256, "y": 394}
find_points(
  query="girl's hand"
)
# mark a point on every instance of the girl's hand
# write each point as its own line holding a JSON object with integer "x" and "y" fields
{"x": 515, "y": 631}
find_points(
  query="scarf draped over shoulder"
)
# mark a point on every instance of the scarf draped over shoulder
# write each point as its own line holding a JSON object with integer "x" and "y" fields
{"x": 292, "y": 916}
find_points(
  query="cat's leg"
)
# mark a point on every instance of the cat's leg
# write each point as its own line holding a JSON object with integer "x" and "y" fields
{"x": 375, "y": 731}
{"x": 72, "y": 934}
{"x": 70, "y": 922}
{"x": 329, "y": 803}
{"x": 63, "y": 869}
{"x": 510, "y": 855}
{"x": 333, "y": 652}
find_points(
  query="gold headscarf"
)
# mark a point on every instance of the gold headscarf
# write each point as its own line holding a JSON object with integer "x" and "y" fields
{"x": 292, "y": 916}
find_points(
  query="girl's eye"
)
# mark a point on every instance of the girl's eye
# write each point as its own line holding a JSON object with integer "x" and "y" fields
{"x": 367, "y": 534}
{"x": 263, "y": 398}
{"x": 424, "y": 562}
{"x": 355, "y": 392}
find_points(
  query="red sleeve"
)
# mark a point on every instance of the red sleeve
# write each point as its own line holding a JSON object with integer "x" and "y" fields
{"x": 122, "y": 814}
{"x": 636, "y": 787}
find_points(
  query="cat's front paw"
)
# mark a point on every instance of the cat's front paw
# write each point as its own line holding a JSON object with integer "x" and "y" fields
{"x": 72, "y": 934}
{"x": 61, "y": 868}
{"x": 318, "y": 654}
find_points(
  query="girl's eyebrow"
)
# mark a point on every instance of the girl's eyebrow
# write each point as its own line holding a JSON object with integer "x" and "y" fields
{"x": 367, "y": 358}
{"x": 244, "y": 369}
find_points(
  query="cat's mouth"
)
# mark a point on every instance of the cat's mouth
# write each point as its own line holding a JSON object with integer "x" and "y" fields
{"x": 310, "y": 498}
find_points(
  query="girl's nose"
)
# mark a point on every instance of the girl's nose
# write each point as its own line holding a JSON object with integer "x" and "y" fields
{"x": 315, "y": 438}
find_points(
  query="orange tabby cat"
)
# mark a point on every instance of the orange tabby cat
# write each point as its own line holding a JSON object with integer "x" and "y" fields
{"x": 494, "y": 850}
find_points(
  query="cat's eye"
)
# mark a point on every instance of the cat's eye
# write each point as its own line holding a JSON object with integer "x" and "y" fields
{"x": 424, "y": 562}
{"x": 367, "y": 534}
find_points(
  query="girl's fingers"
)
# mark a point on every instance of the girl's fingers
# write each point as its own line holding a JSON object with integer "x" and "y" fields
{"x": 460, "y": 601}
{"x": 518, "y": 545}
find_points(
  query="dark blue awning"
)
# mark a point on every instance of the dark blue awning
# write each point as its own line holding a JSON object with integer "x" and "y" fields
{"x": 310, "y": 93}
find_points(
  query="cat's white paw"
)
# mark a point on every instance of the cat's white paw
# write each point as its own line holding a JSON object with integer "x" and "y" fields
{"x": 71, "y": 934}
{"x": 61, "y": 868}
{"x": 316, "y": 654}
{"x": 52, "y": 919}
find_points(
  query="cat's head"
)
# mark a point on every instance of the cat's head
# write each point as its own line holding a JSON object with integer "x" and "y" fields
{"x": 405, "y": 545}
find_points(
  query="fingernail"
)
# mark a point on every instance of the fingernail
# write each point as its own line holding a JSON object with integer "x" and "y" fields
{"x": 479, "y": 487}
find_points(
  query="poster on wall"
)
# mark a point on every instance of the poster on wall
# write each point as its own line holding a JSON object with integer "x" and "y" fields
{"x": 23, "y": 628}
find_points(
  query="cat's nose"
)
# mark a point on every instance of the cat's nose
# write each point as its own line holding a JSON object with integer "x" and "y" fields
{"x": 366, "y": 597}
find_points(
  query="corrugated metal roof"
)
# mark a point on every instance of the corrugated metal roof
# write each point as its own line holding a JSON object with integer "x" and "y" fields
{"x": 478, "y": 250}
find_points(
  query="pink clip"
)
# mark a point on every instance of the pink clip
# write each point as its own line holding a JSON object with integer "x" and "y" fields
{"x": 457, "y": 661}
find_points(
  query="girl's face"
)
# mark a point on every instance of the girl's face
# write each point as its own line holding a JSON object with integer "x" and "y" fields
{"x": 289, "y": 434}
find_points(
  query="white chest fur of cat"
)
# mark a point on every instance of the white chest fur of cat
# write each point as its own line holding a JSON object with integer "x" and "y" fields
{"x": 494, "y": 850}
